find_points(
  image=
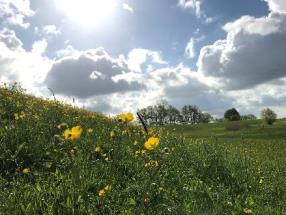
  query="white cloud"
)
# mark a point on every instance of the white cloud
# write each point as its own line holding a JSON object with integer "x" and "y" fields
{"x": 252, "y": 53}
{"x": 192, "y": 4}
{"x": 48, "y": 31}
{"x": 190, "y": 48}
{"x": 137, "y": 57}
{"x": 196, "y": 7}
{"x": 9, "y": 38}
{"x": 39, "y": 47}
{"x": 277, "y": 5}
{"x": 68, "y": 51}
{"x": 17, "y": 64}
{"x": 127, "y": 7}
{"x": 13, "y": 12}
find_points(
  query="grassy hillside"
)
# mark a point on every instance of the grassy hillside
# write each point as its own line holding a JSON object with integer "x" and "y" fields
{"x": 105, "y": 168}
{"x": 251, "y": 129}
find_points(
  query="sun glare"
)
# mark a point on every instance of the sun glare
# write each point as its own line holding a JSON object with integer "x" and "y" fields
{"x": 89, "y": 13}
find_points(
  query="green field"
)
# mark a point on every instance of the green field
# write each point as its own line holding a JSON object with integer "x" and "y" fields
{"x": 250, "y": 129}
{"x": 199, "y": 169}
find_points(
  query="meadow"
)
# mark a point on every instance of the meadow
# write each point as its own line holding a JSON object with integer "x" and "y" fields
{"x": 59, "y": 159}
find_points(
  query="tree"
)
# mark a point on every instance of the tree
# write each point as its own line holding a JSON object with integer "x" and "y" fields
{"x": 206, "y": 118}
{"x": 248, "y": 117}
{"x": 232, "y": 115}
{"x": 191, "y": 114}
{"x": 268, "y": 116}
{"x": 161, "y": 110}
{"x": 173, "y": 114}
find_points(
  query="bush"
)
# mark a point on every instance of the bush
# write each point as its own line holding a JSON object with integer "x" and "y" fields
{"x": 268, "y": 116}
{"x": 232, "y": 115}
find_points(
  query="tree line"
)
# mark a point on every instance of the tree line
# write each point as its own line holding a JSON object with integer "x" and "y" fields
{"x": 164, "y": 113}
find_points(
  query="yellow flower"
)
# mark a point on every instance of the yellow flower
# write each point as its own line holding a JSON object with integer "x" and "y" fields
{"x": 26, "y": 171}
{"x": 90, "y": 130}
{"x": 73, "y": 134}
{"x": 101, "y": 193}
{"x": 112, "y": 134}
{"x": 121, "y": 117}
{"x": 248, "y": 211}
{"x": 125, "y": 117}
{"x": 129, "y": 117}
{"x": 261, "y": 180}
{"x": 151, "y": 143}
{"x": 16, "y": 116}
{"x": 97, "y": 149}
{"x": 152, "y": 164}
{"x": 108, "y": 188}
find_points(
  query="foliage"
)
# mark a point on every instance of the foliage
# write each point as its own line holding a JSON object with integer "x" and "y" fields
{"x": 268, "y": 115}
{"x": 232, "y": 114}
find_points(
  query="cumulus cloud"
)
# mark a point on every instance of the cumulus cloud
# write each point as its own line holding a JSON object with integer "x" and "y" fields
{"x": 127, "y": 7}
{"x": 14, "y": 12}
{"x": 252, "y": 53}
{"x": 90, "y": 73}
{"x": 137, "y": 57}
{"x": 17, "y": 64}
{"x": 277, "y": 5}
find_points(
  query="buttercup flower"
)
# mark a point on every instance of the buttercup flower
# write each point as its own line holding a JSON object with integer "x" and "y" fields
{"x": 97, "y": 149}
{"x": 101, "y": 193}
{"x": 125, "y": 117}
{"x": 26, "y": 171}
{"x": 151, "y": 143}
{"x": 108, "y": 188}
{"x": 73, "y": 134}
{"x": 112, "y": 134}
{"x": 90, "y": 130}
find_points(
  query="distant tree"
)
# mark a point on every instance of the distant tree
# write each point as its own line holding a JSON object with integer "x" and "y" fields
{"x": 191, "y": 114}
{"x": 173, "y": 114}
{"x": 248, "y": 117}
{"x": 206, "y": 118}
{"x": 232, "y": 115}
{"x": 268, "y": 115}
{"x": 161, "y": 110}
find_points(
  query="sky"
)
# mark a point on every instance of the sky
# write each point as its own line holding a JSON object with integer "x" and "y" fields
{"x": 117, "y": 56}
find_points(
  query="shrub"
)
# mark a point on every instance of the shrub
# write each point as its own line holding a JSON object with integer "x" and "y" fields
{"x": 232, "y": 115}
{"x": 268, "y": 116}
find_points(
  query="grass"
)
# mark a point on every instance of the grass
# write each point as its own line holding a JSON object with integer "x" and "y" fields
{"x": 251, "y": 129}
{"x": 200, "y": 169}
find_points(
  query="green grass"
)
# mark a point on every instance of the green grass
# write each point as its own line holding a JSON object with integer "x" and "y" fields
{"x": 200, "y": 169}
{"x": 251, "y": 129}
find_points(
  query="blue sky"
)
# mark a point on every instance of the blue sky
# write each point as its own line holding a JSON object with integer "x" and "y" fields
{"x": 216, "y": 54}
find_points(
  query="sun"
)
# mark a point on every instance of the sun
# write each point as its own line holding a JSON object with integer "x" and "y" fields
{"x": 89, "y": 13}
